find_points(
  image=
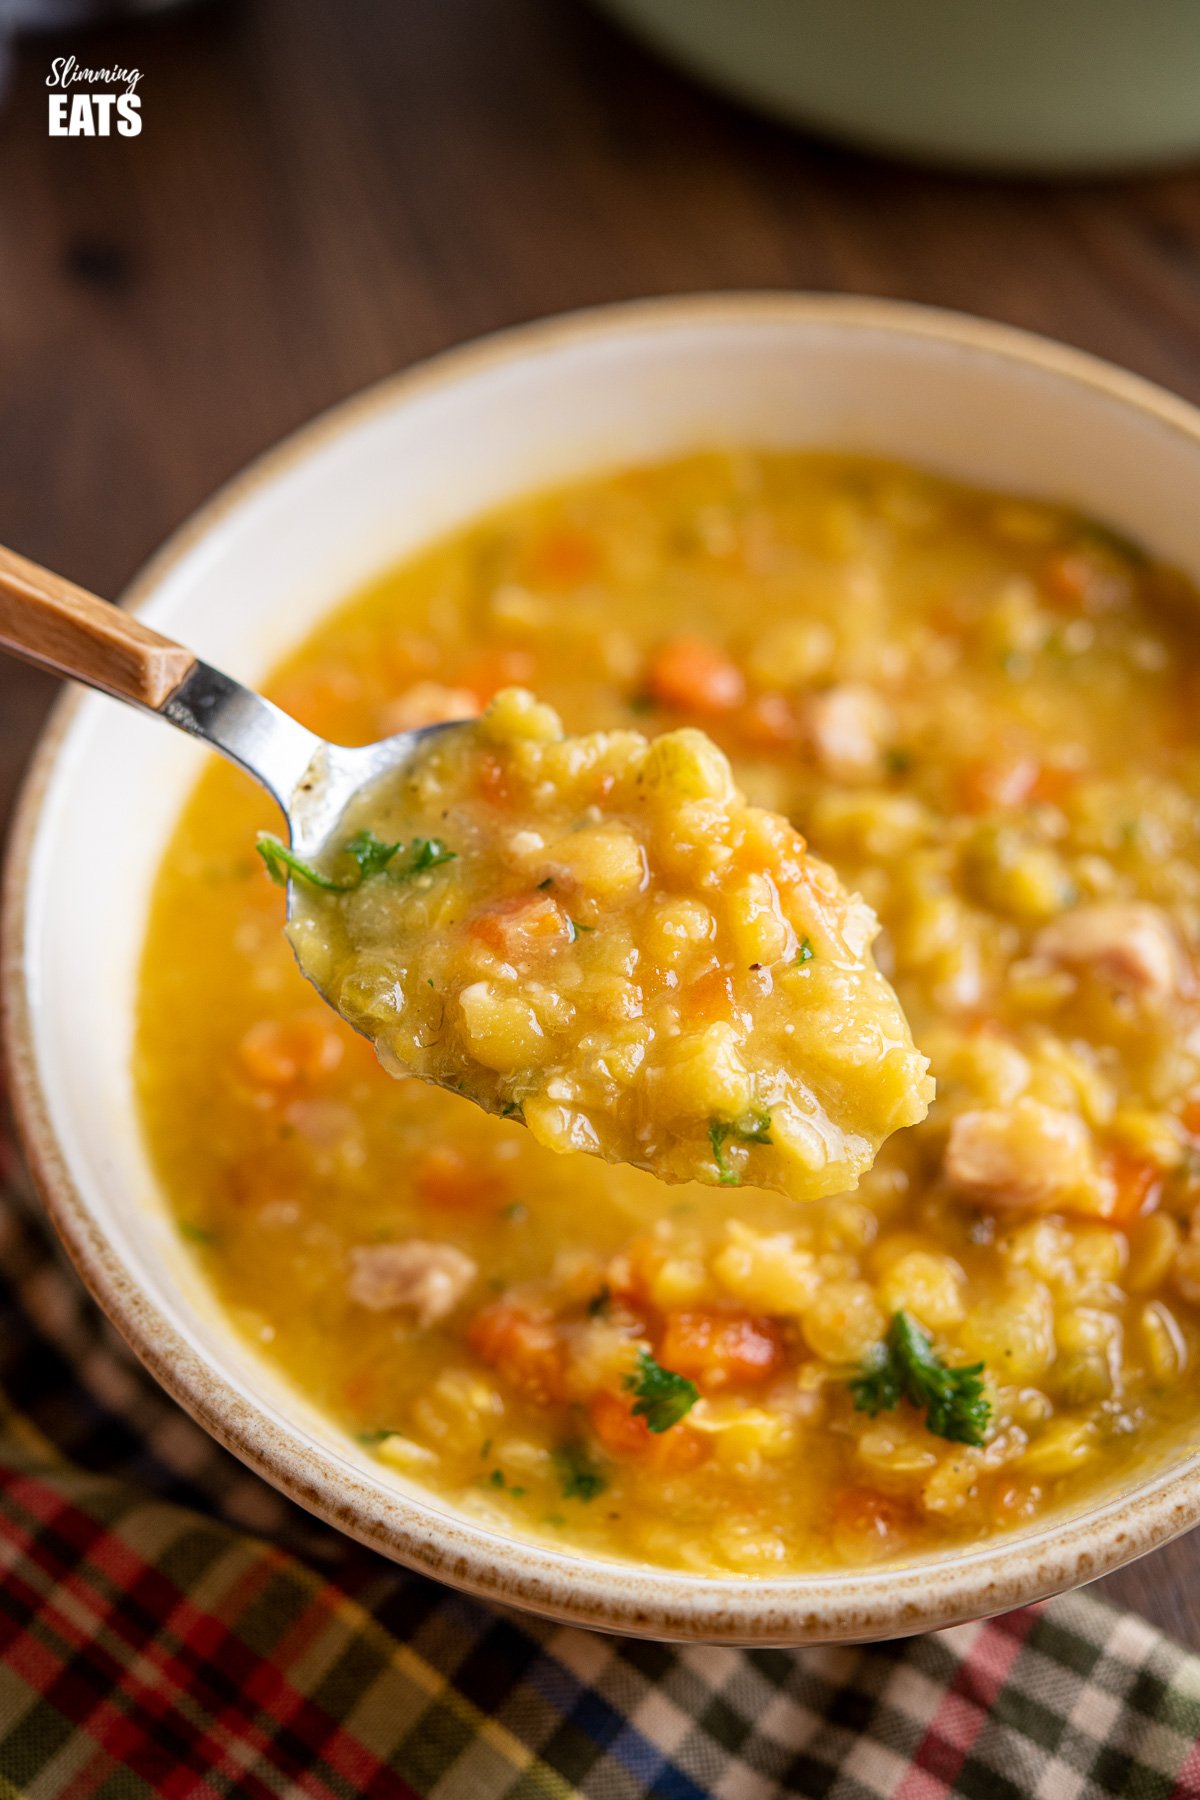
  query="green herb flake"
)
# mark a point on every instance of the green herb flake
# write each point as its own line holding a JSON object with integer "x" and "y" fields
{"x": 574, "y": 927}
{"x": 898, "y": 761}
{"x": 908, "y": 1368}
{"x": 423, "y": 854}
{"x": 497, "y": 1479}
{"x": 377, "y": 1435}
{"x": 543, "y": 885}
{"x": 661, "y": 1397}
{"x": 370, "y": 853}
{"x": 805, "y": 954}
{"x": 512, "y": 1109}
{"x": 751, "y": 1128}
{"x": 578, "y": 1476}
{"x": 516, "y": 1211}
{"x": 284, "y": 865}
{"x": 196, "y": 1234}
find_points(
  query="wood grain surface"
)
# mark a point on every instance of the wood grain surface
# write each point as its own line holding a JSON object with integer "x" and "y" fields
{"x": 325, "y": 190}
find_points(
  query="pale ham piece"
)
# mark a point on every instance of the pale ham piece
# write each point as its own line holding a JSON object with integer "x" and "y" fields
{"x": 425, "y": 1278}
{"x": 1024, "y": 1158}
{"x": 1128, "y": 943}
{"x": 847, "y": 726}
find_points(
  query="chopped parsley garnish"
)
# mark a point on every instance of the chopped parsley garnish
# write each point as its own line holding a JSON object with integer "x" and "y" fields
{"x": 425, "y": 853}
{"x": 577, "y": 1473}
{"x": 512, "y": 1109}
{"x": 377, "y": 1435}
{"x": 751, "y": 1128}
{"x": 516, "y": 1210}
{"x": 898, "y": 761}
{"x": 282, "y": 864}
{"x": 661, "y": 1397}
{"x": 543, "y": 885}
{"x": 574, "y": 927}
{"x": 805, "y": 953}
{"x": 497, "y": 1479}
{"x": 909, "y": 1368}
{"x": 369, "y": 853}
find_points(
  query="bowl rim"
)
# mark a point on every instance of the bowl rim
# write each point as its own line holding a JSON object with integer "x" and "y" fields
{"x": 572, "y": 1587}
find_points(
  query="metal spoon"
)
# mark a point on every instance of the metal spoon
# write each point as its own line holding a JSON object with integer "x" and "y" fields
{"x": 57, "y": 626}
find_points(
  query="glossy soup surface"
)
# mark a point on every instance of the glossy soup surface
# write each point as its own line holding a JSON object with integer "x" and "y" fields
{"x": 597, "y": 936}
{"x": 983, "y": 713}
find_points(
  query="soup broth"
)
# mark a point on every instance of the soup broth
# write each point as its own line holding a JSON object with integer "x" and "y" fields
{"x": 983, "y": 713}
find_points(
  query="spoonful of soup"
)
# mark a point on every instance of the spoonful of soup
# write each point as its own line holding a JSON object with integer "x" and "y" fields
{"x": 595, "y": 936}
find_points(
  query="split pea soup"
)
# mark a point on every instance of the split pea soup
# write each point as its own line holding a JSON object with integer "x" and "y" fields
{"x": 618, "y": 952}
{"x": 981, "y": 711}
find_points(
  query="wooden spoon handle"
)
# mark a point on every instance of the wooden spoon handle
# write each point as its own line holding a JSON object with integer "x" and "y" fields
{"x": 57, "y": 626}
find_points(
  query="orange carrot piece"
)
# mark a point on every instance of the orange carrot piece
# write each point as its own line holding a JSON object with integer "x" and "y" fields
{"x": 1055, "y": 783}
{"x": 497, "y": 669}
{"x": 709, "y": 998}
{"x": 719, "y": 1349}
{"x": 1190, "y": 1116}
{"x": 770, "y": 721}
{"x": 521, "y": 925}
{"x": 625, "y": 1435}
{"x": 493, "y": 781}
{"x": 564, "y": 558}
{"x": 865, "y": 1513}
{"x": 446, "y": 1179}
{"x": 1136, "y": 1185}
{"x": 998, "y": 785}
{"x": 524, "y": 1348}
{"x": 691, "y": 675}
{"x": 282, "y": 1053}
{"x": 1079, "y": 582}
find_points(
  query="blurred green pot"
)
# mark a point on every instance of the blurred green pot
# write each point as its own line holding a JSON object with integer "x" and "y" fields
{"x": 1040, "y": 86}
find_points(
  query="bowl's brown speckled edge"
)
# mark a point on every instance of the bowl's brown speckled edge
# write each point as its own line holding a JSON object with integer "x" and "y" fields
{"x": 872, "y": 1603}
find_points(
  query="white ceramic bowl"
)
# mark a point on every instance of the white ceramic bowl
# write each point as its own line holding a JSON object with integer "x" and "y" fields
{"x": 251, "y": 573}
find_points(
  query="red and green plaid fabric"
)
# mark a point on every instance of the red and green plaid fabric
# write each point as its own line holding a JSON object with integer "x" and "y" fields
{"x": 169, "y": 1626}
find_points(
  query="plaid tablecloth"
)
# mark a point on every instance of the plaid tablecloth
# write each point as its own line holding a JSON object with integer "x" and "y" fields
{"x": 169, "y": 1626}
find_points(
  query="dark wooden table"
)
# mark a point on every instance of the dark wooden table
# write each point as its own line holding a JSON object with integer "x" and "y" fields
{"x": 325, "y": 191}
